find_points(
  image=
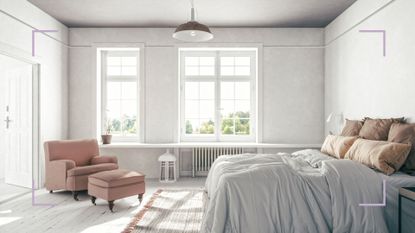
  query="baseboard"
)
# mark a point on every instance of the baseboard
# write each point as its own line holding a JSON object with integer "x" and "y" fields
{"x": 185, "y": 173}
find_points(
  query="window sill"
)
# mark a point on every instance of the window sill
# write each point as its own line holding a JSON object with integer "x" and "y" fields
{"x": 184, "y": 145}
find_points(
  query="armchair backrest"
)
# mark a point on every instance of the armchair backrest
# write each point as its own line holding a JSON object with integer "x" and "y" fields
{"x": 80, "y": 151}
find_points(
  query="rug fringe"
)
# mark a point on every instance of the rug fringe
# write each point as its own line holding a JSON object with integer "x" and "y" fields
{"x": 139, "y": 215}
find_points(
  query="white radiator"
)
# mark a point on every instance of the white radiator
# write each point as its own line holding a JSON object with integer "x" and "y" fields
{"x": 203, "y": 158}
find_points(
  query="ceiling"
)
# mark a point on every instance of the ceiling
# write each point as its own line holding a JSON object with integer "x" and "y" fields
{"x": 215, "y": 13}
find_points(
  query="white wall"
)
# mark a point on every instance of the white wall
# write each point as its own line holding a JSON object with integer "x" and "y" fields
{"x": 292, "y": 79}
{"x": 17, "y": 20}
{"x": 359, "y": 81}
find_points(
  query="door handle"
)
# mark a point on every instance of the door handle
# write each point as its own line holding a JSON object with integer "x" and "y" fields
{"x": 7, "y": 122}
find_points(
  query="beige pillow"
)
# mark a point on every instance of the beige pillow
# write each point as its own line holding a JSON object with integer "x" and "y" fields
{"x": 351, "y": 128}
{"x": 337, "y": 146}
{"x": 404, "y": 133}
{"x": 386, "y": 157}
{"x": 377, "y": 129}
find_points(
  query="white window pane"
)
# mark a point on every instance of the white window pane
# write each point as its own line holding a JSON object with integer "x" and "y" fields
{"x": 242, "y": 106}
{"x": 207, "y": 109}
{"x": 207, "y": 90}
{"x": 129, "y": 126}
{"x": 129, "y": 90}
{"x": 227, "y": 70}
{"x": 227, "y": 108}
{"x": 228, "y": 126}
{"x": 115, "y": 125}
{"x": 227, "y": 90}
{"x": 192, "y": 90}
{"x": 242, "y": 70}
{"x": 113, "y": 90}
{"x": 191, "y": 71}
{"x": 113, "y": 61}
{"x": 113, "y": 109}
{"x": 242, "y": 90}
{"x": 206, "y": 126}
{"x": 191, "y": 61}
{"x": 207, "y": 70}
{"x": 192, "y": 109}
{"x": 242, "y": 127}
{"x": 242, "y": 61}
{"x": 129, "y": 70}
{"x": 113, "y": 70}
{"x": 129, "y": 61}
{"x": 207, "y": 61}
{"x": 129, "y": 108}
{"x": 227, "y": 61}
{"x": 192, "y": 126}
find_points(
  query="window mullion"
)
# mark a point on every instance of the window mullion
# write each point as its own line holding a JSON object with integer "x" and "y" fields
{"x": 217, "y": 98}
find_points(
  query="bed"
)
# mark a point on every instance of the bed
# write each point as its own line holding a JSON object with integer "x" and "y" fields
{"x": 306, "y": 191}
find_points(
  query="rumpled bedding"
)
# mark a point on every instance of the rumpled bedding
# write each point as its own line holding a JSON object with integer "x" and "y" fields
{"x": 306, "y": 191}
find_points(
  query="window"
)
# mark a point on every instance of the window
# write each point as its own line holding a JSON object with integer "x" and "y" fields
{"x": 120, "y": 85}
{"x": 218, "y": 94}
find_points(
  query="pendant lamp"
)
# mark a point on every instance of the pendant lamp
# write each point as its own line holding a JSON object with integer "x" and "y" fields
{"x": 192, "y": 31}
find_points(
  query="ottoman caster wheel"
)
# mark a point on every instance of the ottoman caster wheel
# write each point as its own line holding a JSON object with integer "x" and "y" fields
{"x": 50, "y": 191}
{"x": 93, "y": 200}
{"x": 111, "y": 205}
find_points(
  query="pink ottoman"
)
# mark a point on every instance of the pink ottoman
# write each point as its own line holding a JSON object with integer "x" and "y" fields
{"x": 115, "y": 184}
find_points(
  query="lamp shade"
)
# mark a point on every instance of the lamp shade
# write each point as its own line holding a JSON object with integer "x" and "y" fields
{"x": 192, "y": 31}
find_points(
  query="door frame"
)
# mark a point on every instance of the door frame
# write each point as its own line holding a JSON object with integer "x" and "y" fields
{"x": 14, "y": 53}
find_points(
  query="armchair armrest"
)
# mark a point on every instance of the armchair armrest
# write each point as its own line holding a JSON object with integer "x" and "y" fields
{"x": 104, "y": 159}
{"x": 56, "y": 173}
{"x": 62, "y": 164}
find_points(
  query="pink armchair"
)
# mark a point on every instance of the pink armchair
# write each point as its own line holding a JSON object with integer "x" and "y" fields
{"x": 68, "y": 164}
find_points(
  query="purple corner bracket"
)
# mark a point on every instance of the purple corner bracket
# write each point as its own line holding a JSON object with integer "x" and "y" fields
{"x": 383, "y": 36}
{"x": 383, "y": 204}
{"x": 34, "y": 200}
{"x": 33, "y": 38}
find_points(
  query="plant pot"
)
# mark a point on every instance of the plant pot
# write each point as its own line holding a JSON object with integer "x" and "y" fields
{"x": 106, "y": 139}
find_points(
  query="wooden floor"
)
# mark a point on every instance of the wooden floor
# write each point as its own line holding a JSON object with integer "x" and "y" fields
{"x": 68, "y": 215}
{"x": 8, "y": 192}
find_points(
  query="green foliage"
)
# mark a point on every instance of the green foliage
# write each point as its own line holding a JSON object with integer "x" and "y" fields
{"x": 207, "y": 127}
{"x": 189, "y": 127}
{"x": 129, "y": 125}
{"x": 235, "y": 123}
{"x": 227, "y": 126}
{"x": 125, "y": 125}
{"x": 116, "y": 125}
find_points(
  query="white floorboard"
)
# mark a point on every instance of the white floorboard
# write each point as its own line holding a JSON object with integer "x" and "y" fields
{"x": 8, "y": 191}
{"x": 68, "y": 215}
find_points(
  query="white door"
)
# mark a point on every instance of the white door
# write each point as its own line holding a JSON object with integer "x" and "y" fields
{"x": 16, "y": 125}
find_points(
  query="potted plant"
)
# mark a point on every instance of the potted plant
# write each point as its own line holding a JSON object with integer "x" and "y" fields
{"x": 106, "y": 138}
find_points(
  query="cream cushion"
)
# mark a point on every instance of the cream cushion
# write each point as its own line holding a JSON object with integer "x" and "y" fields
{"x": 386, "y": 157}
{"x": 352, "y": 128}
{"x": 377, "y": 129}
{"x": 404, "y": 133}
{"x": 337, "y": 146}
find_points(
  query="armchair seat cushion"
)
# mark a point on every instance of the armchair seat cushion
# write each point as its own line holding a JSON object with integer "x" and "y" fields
{"x": 91, "y": 169}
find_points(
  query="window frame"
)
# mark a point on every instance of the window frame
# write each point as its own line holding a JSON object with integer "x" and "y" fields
{"x": 121, "y": 78}
{"x": 217, "y": 79}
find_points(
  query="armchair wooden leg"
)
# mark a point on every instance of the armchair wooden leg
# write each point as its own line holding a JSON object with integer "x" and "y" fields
{"x": 93, "y": 200}
{"x": 75, "y": 195}
{"x": 111, "y": 205}
{"x": 140, "y": 197}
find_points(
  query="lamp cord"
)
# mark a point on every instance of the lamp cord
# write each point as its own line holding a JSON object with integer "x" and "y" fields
{"x": 192, "y": 4}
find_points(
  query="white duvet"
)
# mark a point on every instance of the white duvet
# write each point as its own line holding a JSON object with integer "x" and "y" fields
{"x": 302, "y": 192}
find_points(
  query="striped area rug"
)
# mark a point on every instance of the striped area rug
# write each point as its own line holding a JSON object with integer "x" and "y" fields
{"x": 170, "y": 211}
